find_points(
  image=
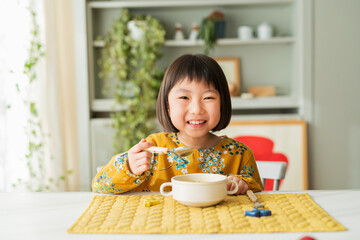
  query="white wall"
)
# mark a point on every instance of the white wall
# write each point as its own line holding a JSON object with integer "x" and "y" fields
{"x": 334, "y": 143}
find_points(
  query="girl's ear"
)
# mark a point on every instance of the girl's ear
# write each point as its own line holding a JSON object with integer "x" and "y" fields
{"x": 167, "y": 107}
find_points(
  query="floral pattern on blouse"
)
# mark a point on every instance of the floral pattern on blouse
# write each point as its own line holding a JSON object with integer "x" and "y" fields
{"x": 105, "y": 184}
{"x": 247, "y": 172}
{"x": 180, "y": 162}
{"x": 228, "y": 157}
{"x": 210, "y": 161}
{"x": 121, "y": 160}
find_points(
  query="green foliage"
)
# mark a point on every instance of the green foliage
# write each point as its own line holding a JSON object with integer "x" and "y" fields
{"x": 133, "y": 64}
{"x": 207, "y": 32}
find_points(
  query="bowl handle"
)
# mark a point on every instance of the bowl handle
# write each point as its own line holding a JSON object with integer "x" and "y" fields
{"x": 162, "y": 189}
{"x": 236, "y": 187}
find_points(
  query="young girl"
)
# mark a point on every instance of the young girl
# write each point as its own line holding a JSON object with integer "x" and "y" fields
{"x": 193, "y": 102}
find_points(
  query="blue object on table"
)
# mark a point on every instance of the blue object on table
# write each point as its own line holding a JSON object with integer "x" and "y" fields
{"x": 252, "y": 213}
{"x": 258, "y": 213}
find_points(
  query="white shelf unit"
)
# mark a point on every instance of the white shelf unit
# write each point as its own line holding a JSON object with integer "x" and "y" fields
{"x": 179, "y": 3}
{"x": 220, "y": 42}
{"x": 285, "y": 44}
{"x": 278, "y": 61}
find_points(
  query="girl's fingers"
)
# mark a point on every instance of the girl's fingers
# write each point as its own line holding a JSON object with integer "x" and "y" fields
{"x": 246, "y": 187}
{"x": 243, "y": 187}
{"x": 139, "y": 160}
{"x": 145, "y": 145}
{"x": 231, "y": 177}
{"x": 139, "y": 170}
{"x": 143, "y": 155}
{"x": 230, "y": 186}
{"x": 143, "y": 162}
{"x": 142, "y": 145}
{"x": 138, "y": 166}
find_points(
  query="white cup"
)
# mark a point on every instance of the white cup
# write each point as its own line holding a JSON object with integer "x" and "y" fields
{"x": 245, "y": 32}
{"x": 199, "y": 189}
{"x": 264, "y": 31}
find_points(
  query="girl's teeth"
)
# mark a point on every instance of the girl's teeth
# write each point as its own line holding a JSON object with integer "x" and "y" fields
{"x": 196, "y": 122}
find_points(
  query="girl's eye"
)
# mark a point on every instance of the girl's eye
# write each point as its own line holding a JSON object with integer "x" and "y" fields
{"x": 209, "y": 98}
{"x": 183, "y": 97}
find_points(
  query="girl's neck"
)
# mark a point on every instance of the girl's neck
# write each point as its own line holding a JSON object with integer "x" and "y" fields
{"x": 208, "y": 141}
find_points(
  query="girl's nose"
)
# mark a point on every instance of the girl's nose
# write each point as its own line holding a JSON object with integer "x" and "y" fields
{"x": 196, "y": 107}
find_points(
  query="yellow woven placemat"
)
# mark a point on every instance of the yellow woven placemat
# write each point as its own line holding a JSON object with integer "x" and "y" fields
{"x": 291, "y": 212}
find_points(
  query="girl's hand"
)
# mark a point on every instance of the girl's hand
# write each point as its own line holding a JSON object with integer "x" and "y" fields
{"x": 139, "y": 159}
{"x": 243, "y": 186}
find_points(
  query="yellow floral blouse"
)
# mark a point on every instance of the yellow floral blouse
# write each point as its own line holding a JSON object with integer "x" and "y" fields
{"x": 229, "y": 157}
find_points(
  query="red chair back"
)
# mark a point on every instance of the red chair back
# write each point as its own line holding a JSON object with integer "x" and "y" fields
{"x": 262, "y": 148}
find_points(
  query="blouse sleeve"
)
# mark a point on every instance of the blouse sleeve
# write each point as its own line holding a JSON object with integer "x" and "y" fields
{"x": 248, "y": 171}
{"x": 115, "y": 176}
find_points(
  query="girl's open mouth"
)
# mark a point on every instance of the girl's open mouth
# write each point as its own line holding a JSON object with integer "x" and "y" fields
{"x": 196, "y": 123}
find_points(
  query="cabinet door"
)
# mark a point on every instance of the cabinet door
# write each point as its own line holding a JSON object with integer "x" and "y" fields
{"x": 102, "y": 138}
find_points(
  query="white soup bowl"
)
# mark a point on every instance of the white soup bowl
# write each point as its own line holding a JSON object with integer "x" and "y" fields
{"x": 199, "y": 189}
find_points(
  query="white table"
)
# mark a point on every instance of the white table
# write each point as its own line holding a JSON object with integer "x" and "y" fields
{"x": 49, "y": 215}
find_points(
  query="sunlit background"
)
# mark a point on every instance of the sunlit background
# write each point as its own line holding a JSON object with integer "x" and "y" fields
{"x": 18, "y": 98}
{"x": 14, "y": 44}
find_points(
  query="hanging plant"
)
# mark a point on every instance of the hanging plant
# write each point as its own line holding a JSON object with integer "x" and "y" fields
{"x": 211, "y": 28}
{"x": 132, "y": 62}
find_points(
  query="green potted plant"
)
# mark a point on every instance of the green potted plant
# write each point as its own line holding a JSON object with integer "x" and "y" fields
{"x": 132, "y": 63}
{"x": 211, "y": 28}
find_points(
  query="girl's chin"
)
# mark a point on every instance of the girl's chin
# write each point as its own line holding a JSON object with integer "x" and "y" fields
{"x": 197, "y": 132}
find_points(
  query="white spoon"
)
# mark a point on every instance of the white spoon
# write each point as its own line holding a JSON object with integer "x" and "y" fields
{"x": 180, "y": 152}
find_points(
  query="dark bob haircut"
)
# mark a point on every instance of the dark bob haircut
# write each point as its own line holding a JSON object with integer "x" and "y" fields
{"x": 198, "y": 68}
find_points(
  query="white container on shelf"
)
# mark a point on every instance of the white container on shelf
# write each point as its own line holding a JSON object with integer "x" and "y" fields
{"x": 245, "y": 33}
{"x": 264, "y": 31}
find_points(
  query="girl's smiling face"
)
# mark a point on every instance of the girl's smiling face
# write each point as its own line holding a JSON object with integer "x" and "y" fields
{"x": 194, "y": 108}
